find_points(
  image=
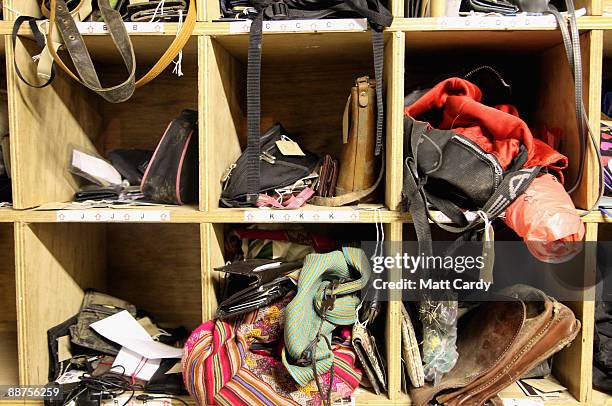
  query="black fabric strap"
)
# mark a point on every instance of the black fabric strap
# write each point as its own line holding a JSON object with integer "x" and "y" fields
{"x": 254, "y": 109}
{"x": 571, "y": 42}
{"x": 378, "y": 49}
{"x": 40, "y": 41}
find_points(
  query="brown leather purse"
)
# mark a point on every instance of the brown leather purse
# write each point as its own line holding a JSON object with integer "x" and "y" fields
{"x": 360, "y": 170}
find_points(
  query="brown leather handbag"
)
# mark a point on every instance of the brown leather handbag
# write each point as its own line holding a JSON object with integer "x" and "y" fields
{"x": 360, "y": 170}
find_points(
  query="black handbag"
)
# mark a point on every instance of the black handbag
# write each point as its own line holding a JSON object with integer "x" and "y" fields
{"x": 275, "y": 169}
{"x": 172, "y": 174}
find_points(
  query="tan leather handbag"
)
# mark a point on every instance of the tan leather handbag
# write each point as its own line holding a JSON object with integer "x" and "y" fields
{"x": 360, "y": 170}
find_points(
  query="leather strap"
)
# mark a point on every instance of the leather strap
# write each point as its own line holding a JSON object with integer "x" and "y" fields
{"x": 40, "y": 41}
{"x": 79, "y": 54}
{"x": 61, "y": 17}
{"x": 351, "y": 197}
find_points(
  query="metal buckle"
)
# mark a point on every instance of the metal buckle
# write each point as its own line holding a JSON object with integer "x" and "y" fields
{"x": 279, "y": 9}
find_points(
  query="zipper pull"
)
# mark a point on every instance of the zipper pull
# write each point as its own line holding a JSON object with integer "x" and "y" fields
{"x": 227, "y": 173}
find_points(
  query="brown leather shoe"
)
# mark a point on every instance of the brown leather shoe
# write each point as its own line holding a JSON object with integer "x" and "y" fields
{"x": 499, "y": 343}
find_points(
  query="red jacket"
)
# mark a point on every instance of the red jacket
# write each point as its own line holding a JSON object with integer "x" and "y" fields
{"x": 498, "y": 130}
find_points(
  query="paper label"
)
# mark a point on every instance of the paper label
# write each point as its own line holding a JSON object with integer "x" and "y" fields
{"x": 131, "y": 27}
{"x": 340, "y": 24}
{"x": 499, "y": 22}
{"x": 301, "y": 216}
{"x": 522, "y": 402}
{"x": 442, "y": 218}
{"x": 289, "y": 148}
{"x": 98, "y": 27}
{"x": 70, "y": 377}
{"x": 112, "y": 215}
{"x": 545, "y": 385}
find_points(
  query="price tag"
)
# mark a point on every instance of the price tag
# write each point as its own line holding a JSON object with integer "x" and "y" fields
{"x": 132, "y": 28}
{"x": 340, "y": 24}
{"x": 289, "y": 148}
{"x": 301, "y": 216}
{"x": 113, "y": 216}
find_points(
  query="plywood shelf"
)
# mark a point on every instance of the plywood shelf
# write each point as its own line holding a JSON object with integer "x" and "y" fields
{"x": 190, "y": 214}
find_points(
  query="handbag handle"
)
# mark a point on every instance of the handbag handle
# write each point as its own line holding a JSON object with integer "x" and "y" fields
{"x": 80, "y": 56}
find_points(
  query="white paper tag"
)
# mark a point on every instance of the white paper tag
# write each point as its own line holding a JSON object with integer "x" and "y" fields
{"x": 522, "y": 402}
{"x": 301, "y": 216}
{"x": 70, "y": 377}
{"x": 340, "y": 24}
{"x": 442, "y": 218}
{"x": 106, "y": 216}
{"x": 289, "y": 148}
{"x": 98, "y": 27}
{"x": 520, "y": 21}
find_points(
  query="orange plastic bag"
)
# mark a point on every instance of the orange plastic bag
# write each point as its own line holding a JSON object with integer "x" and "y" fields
{"x": 547, "y": 220}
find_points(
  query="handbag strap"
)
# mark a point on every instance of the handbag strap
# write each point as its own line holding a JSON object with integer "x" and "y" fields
{"x": 61, "y": 17}
{"x": 40, "y": 41}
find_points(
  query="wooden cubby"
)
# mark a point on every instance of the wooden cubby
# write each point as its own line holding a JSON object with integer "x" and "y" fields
{"x": 153, "y": 266}
{"x": 167, "y": 269}
{"x": 9, "y": 369}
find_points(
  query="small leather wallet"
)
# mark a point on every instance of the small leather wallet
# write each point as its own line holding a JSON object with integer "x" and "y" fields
{"x": 328, "y": 177}
{"x": 94, "y": 192}
{"x": 367, "y": 352}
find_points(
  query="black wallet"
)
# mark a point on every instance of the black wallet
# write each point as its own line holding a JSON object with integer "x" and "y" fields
{"x": 254, "y": 283}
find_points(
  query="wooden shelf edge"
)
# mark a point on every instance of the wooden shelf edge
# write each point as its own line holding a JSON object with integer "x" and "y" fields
{"x": 399, "y": 24}
{"x": 190, "y": 214}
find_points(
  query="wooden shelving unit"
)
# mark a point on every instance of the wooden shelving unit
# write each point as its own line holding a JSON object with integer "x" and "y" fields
{"x": 162, "y": 258}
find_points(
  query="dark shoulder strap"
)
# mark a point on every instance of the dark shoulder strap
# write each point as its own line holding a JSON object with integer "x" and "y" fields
{"x": 40, "y": 41}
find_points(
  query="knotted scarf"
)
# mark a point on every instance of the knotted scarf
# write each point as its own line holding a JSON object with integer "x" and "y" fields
{"x": 304, "y": 314}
